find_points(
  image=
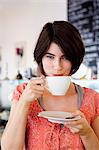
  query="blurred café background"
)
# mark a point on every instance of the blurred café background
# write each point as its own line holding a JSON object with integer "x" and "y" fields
{"x": 20, "y": 23}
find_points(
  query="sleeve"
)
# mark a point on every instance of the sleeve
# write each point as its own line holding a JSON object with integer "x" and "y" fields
{"x": 18, "y": 91}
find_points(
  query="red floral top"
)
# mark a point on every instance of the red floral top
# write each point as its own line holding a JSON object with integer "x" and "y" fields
{"x": 44, "y": 135}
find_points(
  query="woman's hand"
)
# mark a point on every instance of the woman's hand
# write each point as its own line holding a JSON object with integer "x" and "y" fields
{"x": 34, "y": 89}
{"x": 81, "y": 126}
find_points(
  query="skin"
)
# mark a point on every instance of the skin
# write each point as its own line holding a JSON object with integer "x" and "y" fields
{"x": 54, "y": 63}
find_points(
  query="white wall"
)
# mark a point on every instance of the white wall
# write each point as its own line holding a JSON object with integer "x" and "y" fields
{"x": 1, "y": 26}
{"x": 23, "y": 22}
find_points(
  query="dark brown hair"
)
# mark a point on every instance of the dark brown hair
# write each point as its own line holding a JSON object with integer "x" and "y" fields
{"x": 67, "y": 37}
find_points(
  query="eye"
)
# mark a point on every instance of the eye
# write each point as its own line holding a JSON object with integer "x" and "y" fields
{"x": 50, "y": 56}
{"x": 63, "y": 57}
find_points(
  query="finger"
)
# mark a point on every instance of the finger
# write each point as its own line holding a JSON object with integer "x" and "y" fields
{"x": 34, "y": 89}
{"x": 37, "y": 87}
{"x": 78, "y": 126}
{"x": 36, "y": 82}
{"x": 73, "y": 123}
{"x": 78, "y": 112}
{"x": 39, "y": 93}
{"x": 74, "y": 130}
{"x": 42, "y": 77}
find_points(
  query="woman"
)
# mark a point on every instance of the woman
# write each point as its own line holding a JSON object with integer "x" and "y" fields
{"x": 59, "y": 51}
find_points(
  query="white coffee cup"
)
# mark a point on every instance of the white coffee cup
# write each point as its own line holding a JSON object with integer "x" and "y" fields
{"x": 58, "y": 85}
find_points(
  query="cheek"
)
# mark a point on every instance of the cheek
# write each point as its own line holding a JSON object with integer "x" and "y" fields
{"x": 46, "y": 64}
{"x": 67, "y": 66}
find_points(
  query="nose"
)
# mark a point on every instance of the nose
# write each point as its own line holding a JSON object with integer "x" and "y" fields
{"x": 57, "y": 64}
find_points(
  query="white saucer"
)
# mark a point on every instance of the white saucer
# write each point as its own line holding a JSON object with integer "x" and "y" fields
{"x": 58, "y": 116}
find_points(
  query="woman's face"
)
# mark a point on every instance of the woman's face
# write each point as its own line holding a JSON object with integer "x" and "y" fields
{"x": 54, "y": 62}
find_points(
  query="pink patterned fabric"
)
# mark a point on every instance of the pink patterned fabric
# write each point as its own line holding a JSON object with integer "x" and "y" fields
{"x": 44, "y": 135}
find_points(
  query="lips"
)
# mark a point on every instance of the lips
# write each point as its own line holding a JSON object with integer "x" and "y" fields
{"x": 57, "y": 74}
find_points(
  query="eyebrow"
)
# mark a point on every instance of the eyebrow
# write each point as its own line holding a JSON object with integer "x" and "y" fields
{"x": 50, "y": 54}
{"x": 53, "y": 54}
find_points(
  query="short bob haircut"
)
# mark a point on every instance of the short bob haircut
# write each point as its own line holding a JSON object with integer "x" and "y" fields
{"x": 67, "y": 37}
